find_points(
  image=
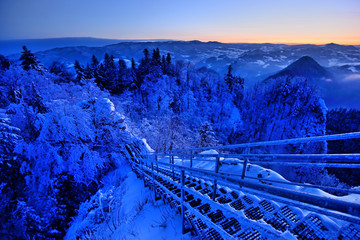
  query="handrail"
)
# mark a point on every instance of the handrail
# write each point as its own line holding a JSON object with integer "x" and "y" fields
{"x": 207, "y": 200}
{"x": 331, "y": 206}
{"x": 345, "y": 161}
{"x": 334, "y": 137}
{"x": 347, "y": 191}
{"x": 347, "y": 158}
{"x": 347, "y": 207}
{"x": 305, "y": 160}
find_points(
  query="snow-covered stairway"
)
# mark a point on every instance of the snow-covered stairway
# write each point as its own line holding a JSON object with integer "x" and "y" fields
{"x": 239, "y": 209}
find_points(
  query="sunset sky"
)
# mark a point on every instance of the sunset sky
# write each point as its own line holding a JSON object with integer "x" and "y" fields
{"x": 276, "y": 21}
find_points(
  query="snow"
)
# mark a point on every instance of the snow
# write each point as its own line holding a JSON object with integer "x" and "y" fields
{"x": 255, "y": 173}
{"x": 288, "y": 235}
{"x": 124, "y": 209}
{"x": 127, "y": 62}
{"x": 304, "y": 214}
{"x": 260, "y": 62}
{"x": 352, "y": 77}
{"x": 70, "y": 137}
{"x": 147, "y": 146}
{"x": 5, "y": 127}
{"x": 352, "y": 197}
{"x": 353, "y": 69}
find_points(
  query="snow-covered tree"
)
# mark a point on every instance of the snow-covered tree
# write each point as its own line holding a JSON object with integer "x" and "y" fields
{"x": 207, "y": 135}
{"x": 60, "y": 70}
{"x": 286, "y": 108}
{"x": 283, "y": 109}
{"x": 80, "y": 72}
{"x": 4, "y": 63}
{"x": 71, "y": 139}
{"x": 28, "y": 60}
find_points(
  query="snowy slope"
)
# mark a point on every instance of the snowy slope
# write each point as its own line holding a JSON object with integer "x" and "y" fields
{"x": 125, "y": 209}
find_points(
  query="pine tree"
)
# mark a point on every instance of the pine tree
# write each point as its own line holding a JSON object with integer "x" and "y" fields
{"x": 94, "y": 66}
{"x": 207, "y": 136}
{"x": 133, "y": 64}
{"x": 109, "y": 62}
{"x": 110, "y": 80}
{"x": 4, "y": 63}
{"x": 79, "y": 71}
{"x": 235, "y": 85}
{"x": 122, "y": 64}
{"x": 166, "y": 65}
{"x": 146, "y": 55}
{"x": 100, "y": 75}
{"x": 60, "y": 70}
{"x": 133, "y": 73}
{"x": 168, "y": 59}
{"x": 122, "y": 78}
{"x": 238, "y": 90}
{"x": 156, "y": 68}
{"x": 229, "y": 79}
{"x": 163, "y": 62}
{"x": 94, "y": 61}
{"x": 156, "y": 57}
{"x": 29, "y": 61}
{"x": 142, "y": 70}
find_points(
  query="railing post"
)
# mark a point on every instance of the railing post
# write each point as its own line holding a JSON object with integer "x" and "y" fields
{"x": 173, "y": 171}
{"x": 247, "y": 150}
{"x": 153, "y": 180}
{"x": 215, "y": 180}
{"x": 182, "y": 201}
{"x": 191, "y": 158}
{"x": 157, "y": 165}
{"x": 142, "y": 170}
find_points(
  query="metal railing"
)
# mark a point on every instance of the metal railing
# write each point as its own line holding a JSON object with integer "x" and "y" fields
{"x": 344, "y": 161}
{"x": 331, "y": 206}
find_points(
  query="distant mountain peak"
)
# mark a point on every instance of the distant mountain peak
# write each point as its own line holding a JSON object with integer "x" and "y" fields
{"x": 306, "y": 67}
{"x": 338, "y": 47}
{"x": 195, "y": 41}
{"x": 305, "y": 63}
{"x": 305, "y": 59}
{"x": 332, "y": 44}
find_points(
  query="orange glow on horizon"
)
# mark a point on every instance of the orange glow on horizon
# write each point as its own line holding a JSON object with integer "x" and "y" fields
{"x": 295, "y": 42}
{"x": 287, "y": 41}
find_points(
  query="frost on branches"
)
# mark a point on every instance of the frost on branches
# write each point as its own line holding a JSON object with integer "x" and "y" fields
{"x": 71, "y": 136}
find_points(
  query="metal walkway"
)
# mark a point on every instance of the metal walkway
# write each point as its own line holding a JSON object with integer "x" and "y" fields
{"x": 224, "y": 205}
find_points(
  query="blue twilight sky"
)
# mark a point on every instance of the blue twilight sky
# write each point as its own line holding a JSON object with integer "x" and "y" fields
{"x": 286, "y": 21}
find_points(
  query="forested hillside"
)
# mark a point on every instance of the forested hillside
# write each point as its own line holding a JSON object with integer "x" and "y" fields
{"x": 68, "y": 137}
{"x": 63, "y": 130}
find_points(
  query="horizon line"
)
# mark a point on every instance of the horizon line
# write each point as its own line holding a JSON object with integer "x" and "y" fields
{"x": 181, "y": 40}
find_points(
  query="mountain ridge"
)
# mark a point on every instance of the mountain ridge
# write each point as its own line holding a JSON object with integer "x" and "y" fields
{"x": 332, "y": 88}
{"x": 253, "y": 62}
{"x": 13, "y": 46}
